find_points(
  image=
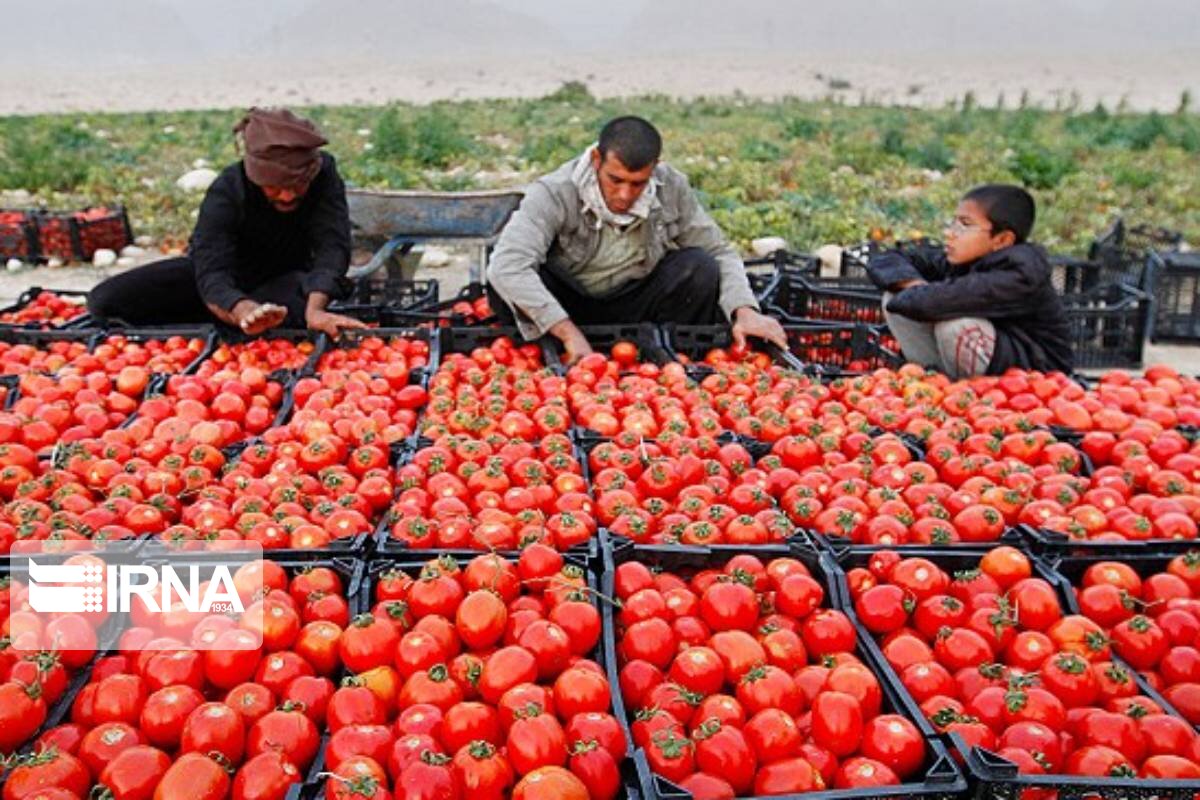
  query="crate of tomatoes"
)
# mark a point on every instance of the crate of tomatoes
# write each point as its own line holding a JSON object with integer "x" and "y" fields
{"x": 77, "y": 235}
{"x": 197, "y": 708}
{"x": 18, "y": 235}
{"x": 497, "y": 684}
{"x": 737, "y": 675}
{"x": 47, "y": 308}
{"x": 470, "y": 307}
{"x": 991, "y": 652}
{"x": 800, "y": 298}
{"x": 1146, "y": 604}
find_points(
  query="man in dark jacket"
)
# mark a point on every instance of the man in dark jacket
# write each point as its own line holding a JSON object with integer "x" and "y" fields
{"x": 985, "y": 303}
{"x": 271, "y": 245}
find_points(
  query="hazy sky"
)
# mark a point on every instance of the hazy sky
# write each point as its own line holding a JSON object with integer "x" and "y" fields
{"x": 157, "y": 31}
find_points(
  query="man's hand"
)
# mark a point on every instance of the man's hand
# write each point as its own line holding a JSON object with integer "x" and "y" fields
{"x": 329, "y": 323}
{"x": 902, "y": 285}
{"x": 748, "y": 322}
{"x": 254, "y": 318}
{"x": 574, "y": 342}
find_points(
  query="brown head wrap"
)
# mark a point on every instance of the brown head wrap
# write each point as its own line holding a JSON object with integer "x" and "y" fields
{"x": 282, "y": 149}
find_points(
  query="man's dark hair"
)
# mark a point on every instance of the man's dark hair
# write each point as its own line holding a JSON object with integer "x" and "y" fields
{"x": 1007, "y": 207}
{"x": 633, "y": 140}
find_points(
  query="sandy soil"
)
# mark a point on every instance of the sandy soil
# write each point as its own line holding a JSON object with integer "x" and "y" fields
{"x": 1150, "y": 81}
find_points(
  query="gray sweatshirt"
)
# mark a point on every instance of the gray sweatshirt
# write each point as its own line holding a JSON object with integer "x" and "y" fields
{"x": 553, "y": 222}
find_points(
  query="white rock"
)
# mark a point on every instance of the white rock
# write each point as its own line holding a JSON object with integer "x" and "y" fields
{"x": 830, "y": 256}
{"x": 104, "y": 258}
{"x": 126, "y": 261}
{"x": 168, "y": 129}
{"x": 363, "y": 131}
{"x": 145, "y": 240}
{"x": 14, "y": 264}
{"x": 909, "y": 192}
{"x": 197, "y": 180}
{"x": 55, "y": 262}
{"x": 132, "y": 251}
{"x": 18, "y": 195}
{"x": 368, "y": 146}
{"x": 766, "y": 245}
{"x": 434, "y": 258}
{"x": 845, "y": 169}
{"x": 102, "y": 134}
{"x": 932, "y": 175}
{"x": 200, "y": 163}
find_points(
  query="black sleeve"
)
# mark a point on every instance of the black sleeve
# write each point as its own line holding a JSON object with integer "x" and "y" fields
{"x": 214, "y": 242}
{"x": 329, "y": 232}
{"x": 1010, "y": 290}
{"x": 893, "y": 267}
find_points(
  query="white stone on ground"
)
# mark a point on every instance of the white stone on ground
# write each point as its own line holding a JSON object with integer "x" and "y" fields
{"x": 196, "y": 180}
{"x": 767, "y": 245}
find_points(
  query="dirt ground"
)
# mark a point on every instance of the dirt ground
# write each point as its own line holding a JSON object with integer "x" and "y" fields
{"x": 451, "y": 278}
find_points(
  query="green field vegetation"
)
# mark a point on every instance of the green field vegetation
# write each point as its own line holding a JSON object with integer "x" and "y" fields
{"x": 812, "y": 172}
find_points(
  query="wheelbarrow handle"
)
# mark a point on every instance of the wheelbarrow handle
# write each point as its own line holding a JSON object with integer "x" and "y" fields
{"x": 381, "y": 257}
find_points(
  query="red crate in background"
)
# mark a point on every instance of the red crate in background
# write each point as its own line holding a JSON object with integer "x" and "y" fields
{"x": 18, "y": 235}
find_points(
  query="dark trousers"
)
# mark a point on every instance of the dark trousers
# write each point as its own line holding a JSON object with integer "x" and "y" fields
{"x": 683, "y": 288}
{"x": 165, "y": 293}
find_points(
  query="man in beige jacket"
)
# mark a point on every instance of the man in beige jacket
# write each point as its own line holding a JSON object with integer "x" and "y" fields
{"x": 617, "y": 236}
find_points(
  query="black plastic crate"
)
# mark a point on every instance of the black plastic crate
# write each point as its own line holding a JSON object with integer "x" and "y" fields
{"x": 43, "y": 339}
{"x": 1068, "y": 571}
{"x": 940, "y": 778}
{"x": 142, "y": 335}
{"x": 956, "y": 559}
{"x": 1175, "y": 278}
{"x": 1122, "y": 251}
{"x": 840, "y": 349}
{"x": 1108, "y": 326}
{"x": 411, "y": 295}
{"x": 351, "y": 337}
{"x": 386, "y": 545}
{"x": 695, "y": 341}
{"x": 1055, "y": 544}
{"x": 805, "y": 299}
{"x": 356, "y": 546}
{"x": 108, "y": 231}
{"x": 442, "y": 313}
{"x": 18, "y": 235}
{"x": 314, "y": 787}
{"x": 225, "y": 334}
{"x": 72, "y": 236}
{"x": 463, "y": 340}
{"x": 647, "y": 336}
{"x": 994, "y": 776}
{"x": 30, "y": 295}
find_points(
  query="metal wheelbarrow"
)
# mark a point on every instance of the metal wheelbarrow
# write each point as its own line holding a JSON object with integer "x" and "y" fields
{"x": 396, "y": 221}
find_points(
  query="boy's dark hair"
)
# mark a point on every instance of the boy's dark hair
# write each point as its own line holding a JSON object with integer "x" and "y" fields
{"x": 633, "y": 140}
{"x": 1007, "y": 207}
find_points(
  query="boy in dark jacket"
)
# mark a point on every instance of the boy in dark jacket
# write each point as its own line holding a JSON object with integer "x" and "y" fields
{"x": 984, "y": 304}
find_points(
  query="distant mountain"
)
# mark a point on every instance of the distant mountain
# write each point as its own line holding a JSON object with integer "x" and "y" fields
{"x": 119, "y": 33}
{"x": 393, "y": 28}
{"x": 897, "y": 26}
